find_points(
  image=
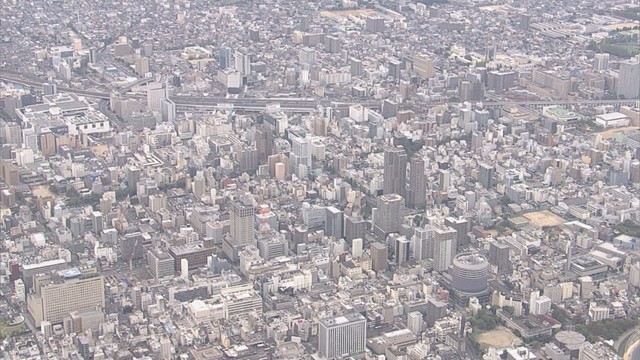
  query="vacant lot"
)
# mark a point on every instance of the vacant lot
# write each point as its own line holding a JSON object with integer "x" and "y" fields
{"x": 499, "y": 338}
{"x": 608, "y": 134}
{"x": 42, "y": 192}
{"x": 544, "y": 218}
{"x": 345, "y": 13}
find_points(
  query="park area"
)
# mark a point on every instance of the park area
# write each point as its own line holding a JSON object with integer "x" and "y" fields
{"x": 498, "y": 338}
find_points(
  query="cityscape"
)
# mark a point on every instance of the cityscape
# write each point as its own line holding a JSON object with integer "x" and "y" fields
{"x": 328, "y": 179}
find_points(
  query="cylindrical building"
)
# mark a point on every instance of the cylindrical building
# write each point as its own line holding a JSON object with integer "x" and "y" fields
{"x": 469, "y": 274}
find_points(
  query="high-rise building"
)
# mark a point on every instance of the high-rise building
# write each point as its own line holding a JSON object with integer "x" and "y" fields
{"x": 471, "y": 91}
{"x": 242, "y": 62}
{"x": 224, "y": 58}
{"x": 97, "y": 222}
{"x": 332, "y": 44}
{"x": 334, "y": 225}
{"x": 301, "y": 156}
{"x": 389, "y": 215}
{"x": 49, "y": 89}
{"x": 142, "y": 65}
{"x": 628, "y": 83}
{"x": 444, "y": 179}
{"x": 400, "y": 248}
{"x": 59, "y": 293}
{"x": 462, "y": 228}
{"x": 165, "y": 348}
{"x": 395, "y": 66}
{"x": 93, "y": 56}
{"x": 422, "y": 244}
{"x": 559, "y": 86}
{"x": 601, "y": 62}
{"x": 499, "y": 257}
{"x": 168, "y": 110}
{"x": 486, "y": 173}
{"x": 436, "y": 310}
{"x": 414, "y": 322}
{"x": 395, "y": 171}
{"x": 342, "y": 336}
{"x": 242, "y": 217}
{"x": 444, "y": 246}
{"x": 354, "y": 228}
{"x": 155, "y": 94}
{"x": 374, "y": 24}
{"x": 634, "y": 275}
{"x": 356, "y": 67}
{"x": 264, "y": 143}
{"x": 161, "y": 264}
{"x": 379, "y": 256}
{"x": 423, "y": 66}
{"x": 417, "y": 194}
{"x": 500, "y": 81}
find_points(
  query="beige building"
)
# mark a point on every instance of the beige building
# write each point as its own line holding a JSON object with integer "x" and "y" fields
{"x": 61, "y": 293}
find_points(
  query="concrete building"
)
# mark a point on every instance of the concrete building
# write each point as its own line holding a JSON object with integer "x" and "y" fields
{"x": 395, "y": 171}
{"x": 59, "y": 293}
{"x": 388, "y": 216}
{"x": 342, "y": 336}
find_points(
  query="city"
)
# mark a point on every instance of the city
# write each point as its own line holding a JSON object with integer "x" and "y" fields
{"x": 353, "y": 179}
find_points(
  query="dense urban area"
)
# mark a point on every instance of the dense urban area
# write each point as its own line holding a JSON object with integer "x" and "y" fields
{"x": 329, "y": 179}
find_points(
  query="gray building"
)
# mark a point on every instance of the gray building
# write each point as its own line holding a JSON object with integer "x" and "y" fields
{"x": 342, "y": 336}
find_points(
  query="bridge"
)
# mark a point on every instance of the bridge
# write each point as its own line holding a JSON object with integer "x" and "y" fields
{"x": 201, "y": 103}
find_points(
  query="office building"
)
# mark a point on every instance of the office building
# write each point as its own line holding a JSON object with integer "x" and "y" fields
{"x": 414, "y": 322}
{"x": 301, "y": 156}
{"x": 224, "y": 58}
{"x": 389, "y": 215}
{"x": 423, "y": 66}
{"x": 57, "y": 294}
{"x": 240, "y": 300}
{"x": 168, "y": 110}
{"x": 161, "y": 264}
{"x": 444, "y": 179}
{"x": 242, "y": 62}
{"x": 422, "y": 244}
{"x": 395, "y": 66}
{"x": 242, "y": 217}
{"x": 499, "y": 257}
{"x": 379, "y": 256}
{"x": 556, "y": 86}
{"x": 400, "y": 248}
{"x": 342, "y": 336}
{"x": 628, "y": 83}
{"x": 156, "y": 92}
{"x": 395, "y": 171}
{"x": 601, "y": 62}
{"x": 356, "y": 68}
{"x": 486, "y": 174}
{"x": 374, "y": 24}
{"x": 444, "y": 246}
{"x": 49, "y": 89}
{"x": 93, "y": 56}
{"x": 469, "y": 276}
{"x": 471, "y": 91}
{"x": 334, "y": 225}
{"x": 355, "y": 228}
{"x": 142, "y": 65}
{"x": 462, "y": 228}
{"x": 436, "y": 310}
{"x": 264, "y": 143}
{"x": 417, "y": 194}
